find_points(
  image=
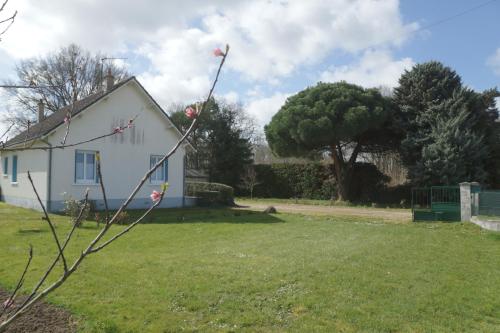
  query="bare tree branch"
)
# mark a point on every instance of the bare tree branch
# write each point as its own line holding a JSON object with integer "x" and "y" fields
{"x": 52, "y": 229}
{"x": 20, "y": 283}
{"x": 103, "y": 189}
{"x": 91, "y": 248}
{"x": 66, "y": 242}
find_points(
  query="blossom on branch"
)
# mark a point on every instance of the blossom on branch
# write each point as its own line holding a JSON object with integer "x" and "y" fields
{"x": 118, "y": 130}
{"x": 218, "y": 52}
{"x": 155, "y": 196}
{"x": 191, "y": 113}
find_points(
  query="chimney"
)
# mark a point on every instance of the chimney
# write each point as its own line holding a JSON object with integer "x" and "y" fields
{"x": 41, "y": 111}
{"x": 110, "y": 80}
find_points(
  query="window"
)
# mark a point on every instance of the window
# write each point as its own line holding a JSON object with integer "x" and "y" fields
{"x": 161, "y": 174}
{"x": 85, "y": 167}
{"x": 14, "y": 169}
{"x": 5, "y": 166}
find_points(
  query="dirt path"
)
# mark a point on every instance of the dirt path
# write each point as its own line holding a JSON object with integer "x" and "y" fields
{"x": 400, "y": 215}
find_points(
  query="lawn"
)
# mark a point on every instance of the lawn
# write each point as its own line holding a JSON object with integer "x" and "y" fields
{"x": 225, "y": 270}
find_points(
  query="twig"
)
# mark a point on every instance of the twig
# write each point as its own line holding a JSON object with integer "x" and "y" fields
{"x": 103, "y": 189}
{"x": 52, "y": 229}
{"x": 127, "y": 229}
{"x": 7, "y": 131}
{"x": 62, "y": 146}
{"x": 11, "y": 19}
{"x": 90, "y": 248}
{"x": 10, "y": 300}
{"x": 66, "y": 242}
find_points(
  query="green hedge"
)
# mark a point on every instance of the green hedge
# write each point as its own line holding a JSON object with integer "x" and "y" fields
{"x": 210, "y": 193}
{"x": 316, "y": 181}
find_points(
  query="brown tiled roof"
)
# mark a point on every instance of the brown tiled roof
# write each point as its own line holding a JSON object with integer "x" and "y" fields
{"x": 57, "y": 118}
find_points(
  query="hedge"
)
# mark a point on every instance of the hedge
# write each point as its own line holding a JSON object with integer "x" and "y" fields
{"x": 316, "y": 181}
{"x": 210, "y": 193}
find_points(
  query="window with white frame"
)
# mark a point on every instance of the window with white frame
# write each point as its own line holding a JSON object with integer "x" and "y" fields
{"x": 85, "y": 167}
{"x": 161, "y": 174}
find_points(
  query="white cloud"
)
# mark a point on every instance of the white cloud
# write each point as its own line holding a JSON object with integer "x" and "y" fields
{"x": 270, "y": 39}
{"x": 375, "y": 68}
{"x": 494, "y": 62}
{"x": 263, "y": 109}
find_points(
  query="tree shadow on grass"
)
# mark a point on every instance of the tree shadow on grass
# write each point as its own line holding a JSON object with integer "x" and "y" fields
{"x": 31, "y": 231}
{"x": 204, "y": 215}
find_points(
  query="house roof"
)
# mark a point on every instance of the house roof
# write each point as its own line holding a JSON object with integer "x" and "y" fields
{"x": 56, "y": 119}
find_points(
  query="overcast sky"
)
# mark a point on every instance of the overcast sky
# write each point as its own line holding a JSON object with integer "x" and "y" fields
{"x": 277, "y": 47}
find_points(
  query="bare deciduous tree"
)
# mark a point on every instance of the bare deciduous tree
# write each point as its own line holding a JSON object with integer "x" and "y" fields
{"x": 58, "y": 79}
{"x": 249, "y": 179}
{"x": 11, "y": 311}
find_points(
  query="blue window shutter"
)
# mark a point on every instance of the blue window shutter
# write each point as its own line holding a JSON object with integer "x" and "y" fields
{"x": 14, "y": 168}
{"x": 165, "y": 169}
{"x": 5, "y": 165}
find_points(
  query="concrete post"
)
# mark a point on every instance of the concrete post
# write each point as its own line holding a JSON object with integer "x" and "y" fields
{"x": 465, "y": 202}
{"x": 475, "y": 188}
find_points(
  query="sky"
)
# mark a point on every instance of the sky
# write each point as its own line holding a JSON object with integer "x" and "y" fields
{"x": 278, "y": 48}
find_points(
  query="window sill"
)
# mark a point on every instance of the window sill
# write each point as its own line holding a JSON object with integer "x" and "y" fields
{"x": 85, "y": 184}
{"x": 14, "y": 183}
{"x": 5, "y": 175}
{"x": 157, "y": 184}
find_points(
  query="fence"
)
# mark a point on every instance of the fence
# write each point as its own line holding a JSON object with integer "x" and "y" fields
{"x": 436, "y": 203}
{"x": 455, "y": 203}
{"x": 487, "y": 204}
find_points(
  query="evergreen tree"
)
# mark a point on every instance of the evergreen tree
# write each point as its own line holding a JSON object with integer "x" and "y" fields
{"x": 341, "y": 119}
{"x": 223, "y": 140}
{"x": 438, "y": 116}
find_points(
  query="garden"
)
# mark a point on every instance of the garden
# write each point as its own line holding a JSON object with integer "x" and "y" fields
{"x": 228, "y": 269}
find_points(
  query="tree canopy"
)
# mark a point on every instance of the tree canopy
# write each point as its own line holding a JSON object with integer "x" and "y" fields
{"x": 447, "y": 128}
{"x": 57, "y": 78}
{"x": 223, "y": 140}
{"x": 339, "y": 118}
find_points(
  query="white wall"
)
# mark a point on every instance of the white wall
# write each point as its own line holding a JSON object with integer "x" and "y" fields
{"x": 125, "y": 157}
{"x": 21, "y": 193}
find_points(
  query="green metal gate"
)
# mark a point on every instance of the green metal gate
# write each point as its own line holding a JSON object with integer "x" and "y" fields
{"x": 489, "y": 203}
{"x": 436, "y": 203}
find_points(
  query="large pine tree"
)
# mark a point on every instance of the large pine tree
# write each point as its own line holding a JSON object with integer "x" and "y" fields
{"x": 448, "y": 129}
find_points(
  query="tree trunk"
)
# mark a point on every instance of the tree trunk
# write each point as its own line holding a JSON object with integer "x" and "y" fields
{"x": 343, "y": 171}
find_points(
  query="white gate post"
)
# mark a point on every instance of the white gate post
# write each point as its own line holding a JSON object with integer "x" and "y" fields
{"x": 465, "y": 202}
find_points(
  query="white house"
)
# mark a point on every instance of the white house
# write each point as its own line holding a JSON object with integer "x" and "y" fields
{"x": 125, "y": 157}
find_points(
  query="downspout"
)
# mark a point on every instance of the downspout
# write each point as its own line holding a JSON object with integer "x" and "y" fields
{"x": 49, "y": 177}
{"x": 184, "y": 181}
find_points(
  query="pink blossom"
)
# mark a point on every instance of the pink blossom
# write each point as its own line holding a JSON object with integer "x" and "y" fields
{"x": 155, "y": 196}
{"x": 191, "y": 113}
{"x": 218, "y": 52}
{"x": 8, "y": 303}
{"x": 130, "y": 124}
{"x": 118, "y": 130}
{"x": 66, "y": 119}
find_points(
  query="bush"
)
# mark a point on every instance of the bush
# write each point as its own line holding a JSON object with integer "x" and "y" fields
{"x": 72, "y": 208}
{"x": 211, "y": 193}
{"x": 280, "y": 180}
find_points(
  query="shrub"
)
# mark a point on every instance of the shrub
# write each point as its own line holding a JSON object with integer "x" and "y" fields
{"x": 72, "y": 208}
{"x": 211, "y": 193}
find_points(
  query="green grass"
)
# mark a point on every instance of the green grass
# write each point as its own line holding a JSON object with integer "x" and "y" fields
{"x": 224, "y": 270}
